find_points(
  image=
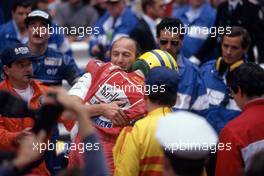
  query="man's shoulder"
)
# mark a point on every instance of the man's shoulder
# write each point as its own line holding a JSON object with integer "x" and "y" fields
{"x": 238, "y": 124}
{"x": 141, "y": 25}
{"x": 191, "y": 71}
{"x": 129, "y": 16}
{"x": 39, "y": 86}
{"x": 3, "y": 84}
{"x": 151, "y": 118}
{"x": 7, "y": 27}
{"x": 208, "y": 65}
{"x": 187, "y": 63}
{"x": 142, "y": 124}
{"x": 8, "y": 24}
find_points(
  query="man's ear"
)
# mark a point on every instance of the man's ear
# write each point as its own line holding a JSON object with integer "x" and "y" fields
{"x": 240, "y": 93}
{"x": 6, "y": 70}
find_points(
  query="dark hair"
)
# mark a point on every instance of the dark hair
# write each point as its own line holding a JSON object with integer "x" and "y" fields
{"x": 185, "y": 167}
{"x": 3, "y": 74}
{"x": 166, "y": 98}
{"x": 145, "y": 3}
{"x": 138, "y": 49}
{"x": 171, "y": 24}
{"x": 256, "y": 166}
{"x": 36, "y": 2}
{"x": 249, "y": 77}
{"x": 21, "y": 3}
{"x": 237, "y": 31}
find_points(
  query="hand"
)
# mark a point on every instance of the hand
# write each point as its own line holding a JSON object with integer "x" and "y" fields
{"x": 75, "y": 105}
{"x": 62, "y": 97}
{"x": 27, "y": 153}
{"x": 113, "y": 112}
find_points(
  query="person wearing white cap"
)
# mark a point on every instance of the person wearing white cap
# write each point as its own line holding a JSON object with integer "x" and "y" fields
{"x": 137, "y": 151}
{"x": 187, "y": 140}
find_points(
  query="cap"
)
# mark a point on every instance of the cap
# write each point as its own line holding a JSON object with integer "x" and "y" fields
{"x": 38, "y": 14}
{"x": 186, "y": 135}
{"x": 163, "y": 76}
{"x": 15, "y": 52}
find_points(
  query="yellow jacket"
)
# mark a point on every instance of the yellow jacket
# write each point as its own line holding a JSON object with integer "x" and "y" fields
{"x": 137, "y": 152}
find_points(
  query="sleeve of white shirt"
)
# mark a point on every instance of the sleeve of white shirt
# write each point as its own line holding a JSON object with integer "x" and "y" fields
{"x": 82, "y": 87}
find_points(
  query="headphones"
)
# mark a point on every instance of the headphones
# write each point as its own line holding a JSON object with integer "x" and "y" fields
{"x": 222, "y": 67}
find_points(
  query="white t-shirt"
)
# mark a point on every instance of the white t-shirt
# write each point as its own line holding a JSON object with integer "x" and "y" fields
{"x": 26, "y": 94}
{"x": 81, "y": 88}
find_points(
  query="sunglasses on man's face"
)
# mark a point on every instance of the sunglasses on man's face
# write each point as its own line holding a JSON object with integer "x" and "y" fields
{"x": 172, "y": 42}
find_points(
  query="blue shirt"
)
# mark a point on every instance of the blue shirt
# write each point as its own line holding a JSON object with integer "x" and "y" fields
{"x": 52, "y": 67}
{"x": 110, "y": 29}
{"x": 222, "y": 109}
{"x": 191, "y": 89}
{"x": 196, "y": 20}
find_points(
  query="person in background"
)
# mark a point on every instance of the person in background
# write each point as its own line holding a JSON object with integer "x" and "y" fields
{"x": 75, "y": 14}
{"x": 99, "y": 5}
{"x": 57, "y": 40}
{"x": 198, "y": 16}
{"x": 15, "y": 31}
{"x": 256, "y": 167}
{"x": 191, "y": 91}
{"x": 187, "y": 140}
{"x": 50, "y": 67}
{"x": 18, "y": 71}
{"x": 137, "y": 151}
{"x": 145, "y": 31}
{"x": 222, "y": 107}
{"x": 27, "y": 155}
{"x": 95, "y": 160}
{"x": 244, "y": 13}
{"x": 118, "y": 21}
{"x": 110, "y": 113}
{"x": 245, "y": 133}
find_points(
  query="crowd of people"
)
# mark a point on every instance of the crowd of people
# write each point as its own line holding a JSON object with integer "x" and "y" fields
{"x": 170, "y": 88}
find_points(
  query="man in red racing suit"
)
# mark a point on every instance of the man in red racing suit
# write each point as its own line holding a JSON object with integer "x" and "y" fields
{"x": 106, "y": 83}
